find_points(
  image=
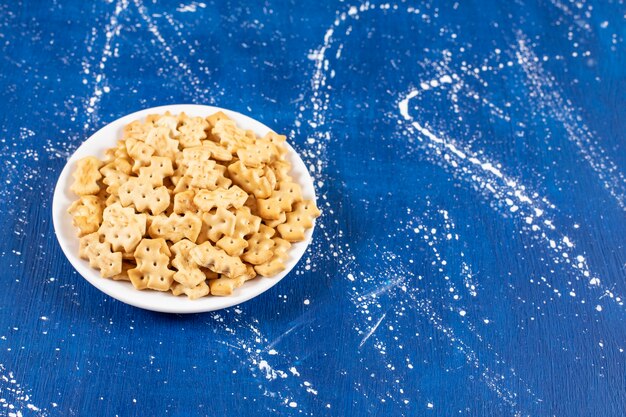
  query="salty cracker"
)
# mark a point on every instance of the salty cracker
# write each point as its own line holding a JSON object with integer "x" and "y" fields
{"x": 199, "y": 175}
{"x": 100, "y": 255}
{"x": 86, "y": 213}
{"x": 298, "y": 221}
{"x": 192, "y": 130}
{"x": 143, "y": 196}
{"x": 207, "y": 200}
{"x": 188, "y": 272}
{"x": 281, "y": 201}
{"x": 159, "y": 139}
{"x": 199, "y": 291}
{"x": 220, "y": 223}
{"x": 183, "y": 202}
{"x": 246, "y": 223}
{"x": 86, "y": 176}
{"x": 159, "y": 168}
{"x": 176, "y": 227}
{"x": 136, "y": 129}
{"x": 260, "y": 246}
{"x": 230, "y": 136}
{"x": 257, "y": 153}
{"x": 252, "y": 180}
{"x": 276, "y": 263}
{"x": 218, "y": 260}
{"x": 225, "y": 286}
{"x": 141, "y": 154}
{"x": 153, "y": 257}
{"x": 233, "y": 246}
{"x": 115, "y": 173}
{"x": 122, "y": 227}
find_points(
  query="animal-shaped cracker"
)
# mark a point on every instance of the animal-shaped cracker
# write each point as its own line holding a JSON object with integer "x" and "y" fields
{"x": 143, "y": 196}
{"x": 153, "y": 257}
{"x": 122, "y": 227}
{"x": 159, "y": 139}
{"x": 100, "y": 255}
{"x": 176, "y": 227}
{"x": 260, "y": 246}
{"x": 252, "y": 180}
{"x": 159, "y": 168}
{"x": 86, "y": 214}
{"x": 281, "y": 201}
{"x": 276, "y": 263}
{"x": 217, "y": 260}
{"x": 188, "y": 273}
{"x": 233, "y": 197}
{"x": 192, "y": 131}
{"x": 86, "y": 176}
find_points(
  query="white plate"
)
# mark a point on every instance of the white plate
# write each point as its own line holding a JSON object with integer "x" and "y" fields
{"x": 155, "y": 300}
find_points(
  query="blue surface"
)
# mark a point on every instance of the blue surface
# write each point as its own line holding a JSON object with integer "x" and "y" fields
{"x": 469, "y": 159}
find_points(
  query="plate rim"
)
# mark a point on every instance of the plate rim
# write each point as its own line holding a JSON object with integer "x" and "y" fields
{"x": 204, "y": 304}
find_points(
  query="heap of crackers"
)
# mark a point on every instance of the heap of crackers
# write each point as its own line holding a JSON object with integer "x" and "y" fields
{"x": 191, "y": 205}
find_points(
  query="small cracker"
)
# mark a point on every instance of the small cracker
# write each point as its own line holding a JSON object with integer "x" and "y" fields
{"x": 230, "y": 136}
{"x": 123, "y": 276}
{"x": 221, "y": 223}
{"x": 281, "y": 201}
{"x": 233, "y": 197}
{"x": 218, "y": 152}
{"x": 282, "y": 218}
{"x": 141, "y": 154}
{"x": 188, "y": 273}
{"x": 183, "y": 202}
{"x": 199, "y": 175}
{"x": 86, "y": 176}
{"x": 246, "y": 223}
{"x": 143, "y": 196}
{"x": 217, "y": 260}
{"x": 233, "y": 246}
{"x": 153, "y": 257}
{"x": 160, "y": 167}
{"x": 159, "y": 138}
{"x": 300, "y": 219}
{"x": 115, "y": 173}
{"x": 176, "y": 227}
{"x": 137, "y": 130}
{"x": 100, "y": 255}
{"x": 260, "y": 246}
{"x": 122, "y": 227}
{"x": 86, "y": 214}
{"x": 192, "y": 131}
{"x": 225, "y": 286}
{"x": 193, "y": 293}
{"x": 281, "y": 170}
{"x": 276, "y": 263}
{"x": 251, "y": 180}
{"x": 257, "y": 153}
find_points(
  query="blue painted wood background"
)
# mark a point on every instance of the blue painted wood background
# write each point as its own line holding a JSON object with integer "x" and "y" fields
{"x": 469, "y": 158}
